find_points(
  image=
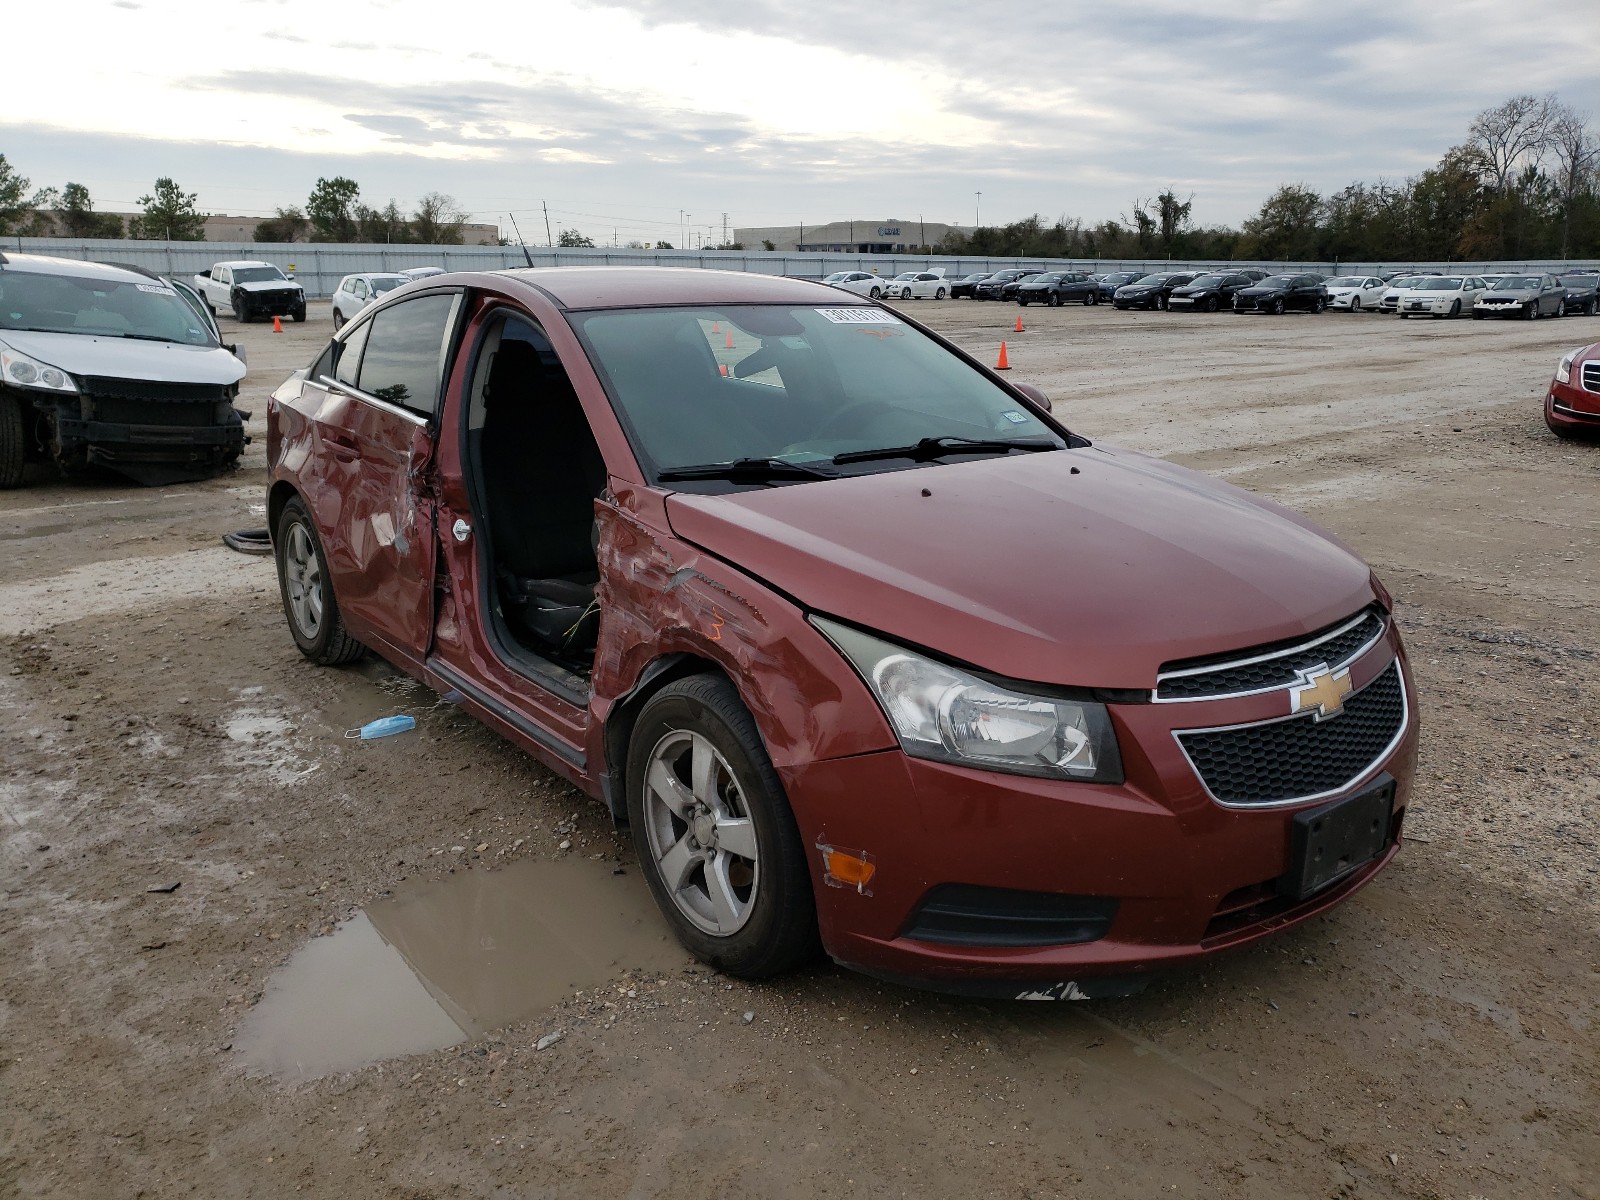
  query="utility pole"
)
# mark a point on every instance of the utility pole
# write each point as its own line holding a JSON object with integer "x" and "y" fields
{"x": 922, "y": 233}
{"x": 724, "y": 229}
{"x": 975, "y": 204}
{"x": 548, "y": 240}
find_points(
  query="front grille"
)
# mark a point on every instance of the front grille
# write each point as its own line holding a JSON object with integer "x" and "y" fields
{"x": 1272, "y": 666}
{"x": 101, "y": 386}
{"x": 1590, "y": 376}
{"x": 959, "y": 914}
{"x": 1300, "y": 758}
{"x": 119, "y": 411}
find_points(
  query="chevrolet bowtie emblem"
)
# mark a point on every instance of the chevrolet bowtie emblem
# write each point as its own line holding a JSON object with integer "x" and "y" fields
{"x": 1323, "y": 692}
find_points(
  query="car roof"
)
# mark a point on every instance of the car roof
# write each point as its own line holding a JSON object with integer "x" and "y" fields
{"x": 243, "y": 262}
{"x": 45, "y": 264}
{"x": 631, "y": 287}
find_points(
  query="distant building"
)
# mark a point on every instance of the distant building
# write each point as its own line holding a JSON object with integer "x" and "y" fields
{"x": 852, "y": 237}
{"x": 223, "y": 228}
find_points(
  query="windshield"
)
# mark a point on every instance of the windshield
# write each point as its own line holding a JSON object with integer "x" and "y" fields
{"x": 1438, "y": 284}
{"x": 798, "y": 384}
{"x": 147, "y": 308}
{"x": 905, "y": 277}
{"x": 837, "y": 277}
{"x": 1354, "y": 281}
{"x": 1276, "y": 281}
{"x": 1206, "y": 281}
{"x": 258, "y": 275}
{"x": 1048, "y": 277}
{"x": 1515, "y": 283}
{"x": 388, "y": 283}
{"x": 1152, "y": 280}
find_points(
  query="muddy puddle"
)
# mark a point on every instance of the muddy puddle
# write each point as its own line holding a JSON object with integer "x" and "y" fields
{"x": 449, "y": 961}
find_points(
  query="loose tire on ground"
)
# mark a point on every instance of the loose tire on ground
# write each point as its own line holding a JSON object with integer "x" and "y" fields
{"x": 12, "y": 447}
{"x": 308, "y": 601}
{"x": 698, "y": 776}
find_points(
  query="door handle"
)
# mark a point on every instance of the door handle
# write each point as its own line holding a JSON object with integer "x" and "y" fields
{"x": 461, "y": 530}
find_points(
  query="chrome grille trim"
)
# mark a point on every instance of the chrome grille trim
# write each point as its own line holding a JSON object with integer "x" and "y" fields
{"x": 1285, "y": 652}
{"x": 1589, "y": 376}
{"x": 1362, "y": 777}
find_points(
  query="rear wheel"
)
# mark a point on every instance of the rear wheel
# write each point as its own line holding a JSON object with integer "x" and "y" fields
{"x": 1092, "y": 299}
{"x": 11, "y": 442}
{"x": 308, "y": 602}
{"x": 338, "y": 318}
{"x": 718, "y": 843}
{"x": 1277, "y": 307}
{"x": 876, "y": 293}
{"x": 1589, "y": 308}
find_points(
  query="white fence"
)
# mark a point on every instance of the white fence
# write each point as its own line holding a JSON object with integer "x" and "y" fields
{"x": 319, "y": 266}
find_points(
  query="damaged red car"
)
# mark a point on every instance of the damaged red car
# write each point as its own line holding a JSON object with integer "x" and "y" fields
{"x": 865, "y": 647}
{"x": 1572, "y": 401}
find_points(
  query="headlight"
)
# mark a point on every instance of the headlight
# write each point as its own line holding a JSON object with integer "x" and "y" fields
{"x": 1564, "y": 367}
{"x": 950, "y": 715}
{"x": 21, "y": 371}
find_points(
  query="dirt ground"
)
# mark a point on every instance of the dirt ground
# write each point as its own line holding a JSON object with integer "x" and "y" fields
{"x": 1435, "y": 1037}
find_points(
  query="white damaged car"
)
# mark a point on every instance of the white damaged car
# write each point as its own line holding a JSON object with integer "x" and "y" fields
{"x": 115, "y": 367}
{"x": 1442, "y": 295}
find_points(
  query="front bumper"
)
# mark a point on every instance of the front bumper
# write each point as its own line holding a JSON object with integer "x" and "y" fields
{"x": 1189, "y": 877}
{"x": 1569, "y": 407}
{"x": 1500, "y": 308}
{"x": 275, "y": 304}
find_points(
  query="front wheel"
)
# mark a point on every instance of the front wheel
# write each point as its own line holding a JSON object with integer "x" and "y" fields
{"x": 1455, "y": 308}
{"x": 1092, "y": 299}
{"x": 876, "y": 293}
{"x": 298, "y": 315}
{"x": 1212, "y": 304}
{"x": 1355, "y": 303}
{"x": 939, "y": 294}
{"x": 338, "y": 319}
{"x": 1277, "y": 307}
{"x": 1022, "y": 300}
{"x": 314, "y": 620}
{"x": 12, "y": 447}
{"x": 1589, "y": 308}
{"x": 1533, "y": 311}
{"x": 715, "y": 836}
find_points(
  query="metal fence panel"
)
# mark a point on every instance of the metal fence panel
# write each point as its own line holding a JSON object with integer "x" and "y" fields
{"x": 319, "y": 266}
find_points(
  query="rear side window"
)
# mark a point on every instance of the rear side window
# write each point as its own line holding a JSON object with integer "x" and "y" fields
{"x": 404, "y": 359}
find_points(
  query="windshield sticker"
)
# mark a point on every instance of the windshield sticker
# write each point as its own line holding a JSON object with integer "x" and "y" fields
{"x": 858, "y": 316}
{"x": 159, "y": 289}
{"x": 1015, "y": 417}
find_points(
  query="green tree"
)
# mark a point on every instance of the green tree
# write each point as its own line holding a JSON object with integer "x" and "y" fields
{"x": 381, "y": 225}
{"x": 768, "y": 244}
{"x": 15, "y": 211}
{"x": 331, "y": 209}
{"x": 571, "y": 238}
{"x": 439, "y": 220}
{"x": 169, "y": 215}
{"x": 75, "y": 216}
{"x": 1286, "y": 227}
{"x": 663, "y": 245}
{"x": 289, "y": 225}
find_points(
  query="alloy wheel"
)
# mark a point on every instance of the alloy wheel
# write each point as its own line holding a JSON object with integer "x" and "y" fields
{"x": 303, "y": 579}
{"x": 700, "y": 833}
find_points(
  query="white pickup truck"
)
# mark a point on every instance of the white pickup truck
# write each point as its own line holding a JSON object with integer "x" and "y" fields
{"x": 252, "y": 289}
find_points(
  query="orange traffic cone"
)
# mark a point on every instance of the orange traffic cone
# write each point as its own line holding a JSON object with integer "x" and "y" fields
{"x": 1019, "y": 323}
{"x": 277, "y": 324}
{"x": 727, "y": 343}
{"x": 723, "y": 367}
{"x": 1004, "y": 364}
{"x": 716, "y": 327}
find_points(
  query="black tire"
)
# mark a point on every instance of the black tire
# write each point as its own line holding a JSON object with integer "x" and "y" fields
{"x": 1321, "y": 305}
{"x": 1455, "y": 308}
{"x": 241, "y": 309}
{"x": 1022, "y": 300}
{"x": 1092, "y": 299}
{"x": 779, "y": 931}
{"x": 1162, "y": 303}
{"x": 1590, "y": 308}
{"x": 875, "y": 293}
{"x": 338, "y": 319}
{"x": 1355, "y": 304}
{"x": 1476, "y": 315}
{"x": 1277, "y": 307}
{"x": 1533, "y": 311}
{"x": 12, "y": 446}
{"x": 323, "y": 640}
{"x": 1212, "y": 304}
{"x": 1561, "y": 310}
{"x": 938, "y": 294}
{"x": 298, "y": 315}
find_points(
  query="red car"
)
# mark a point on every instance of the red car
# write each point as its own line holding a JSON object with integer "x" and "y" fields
{"x": 863, "y": 645}
{"x": 1572, "y": 405}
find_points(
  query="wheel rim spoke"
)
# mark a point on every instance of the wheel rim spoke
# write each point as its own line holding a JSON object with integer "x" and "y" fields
{"x": 667, "y": 788}
{"x": 703, "y": 767}
{"x": 737, "y": 835}
{"x": 728, "y": 909}
{"x": 679, "y": 863}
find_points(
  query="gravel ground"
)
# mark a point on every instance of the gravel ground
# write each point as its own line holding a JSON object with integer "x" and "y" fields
{"x": 1435, "y": 1037}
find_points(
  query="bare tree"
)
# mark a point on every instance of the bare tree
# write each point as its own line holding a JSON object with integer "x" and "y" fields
{"x": 1502, "y": 138}
{"x": 1577, "y": 152}
{"x": 438, "y": 220}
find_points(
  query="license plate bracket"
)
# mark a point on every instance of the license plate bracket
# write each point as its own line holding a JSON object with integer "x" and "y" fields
{"x": 1330, "y": 842}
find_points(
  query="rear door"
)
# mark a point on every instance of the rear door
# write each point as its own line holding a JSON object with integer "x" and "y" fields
{"x": 374, "y": 424}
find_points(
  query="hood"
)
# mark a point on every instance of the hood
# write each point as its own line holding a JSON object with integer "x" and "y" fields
{"x": 1502, "y": 294}
{"x": 1018, "y": 566}
{"x": 268, "y": 285}
{"x": 122, "y": 358}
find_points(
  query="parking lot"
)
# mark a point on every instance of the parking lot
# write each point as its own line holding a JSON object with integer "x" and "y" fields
{"x": 1438, "y": 1036}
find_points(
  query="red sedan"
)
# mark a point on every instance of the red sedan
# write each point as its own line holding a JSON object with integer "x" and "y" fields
{"x": 1572, "y": 403}
{"x": 863, "y": 645}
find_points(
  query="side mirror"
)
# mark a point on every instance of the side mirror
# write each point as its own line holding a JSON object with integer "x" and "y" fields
{"x": 1034, "y": 394}
{"x": 238, "y": 352}
{"x": 291, "y": 274}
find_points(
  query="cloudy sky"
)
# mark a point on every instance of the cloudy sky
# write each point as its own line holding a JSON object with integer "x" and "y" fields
{"x": 624, "y": 115}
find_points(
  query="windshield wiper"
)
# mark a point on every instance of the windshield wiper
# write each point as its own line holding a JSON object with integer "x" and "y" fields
{"x": 938, "y": 447}
{"x": 747, "y": 470}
